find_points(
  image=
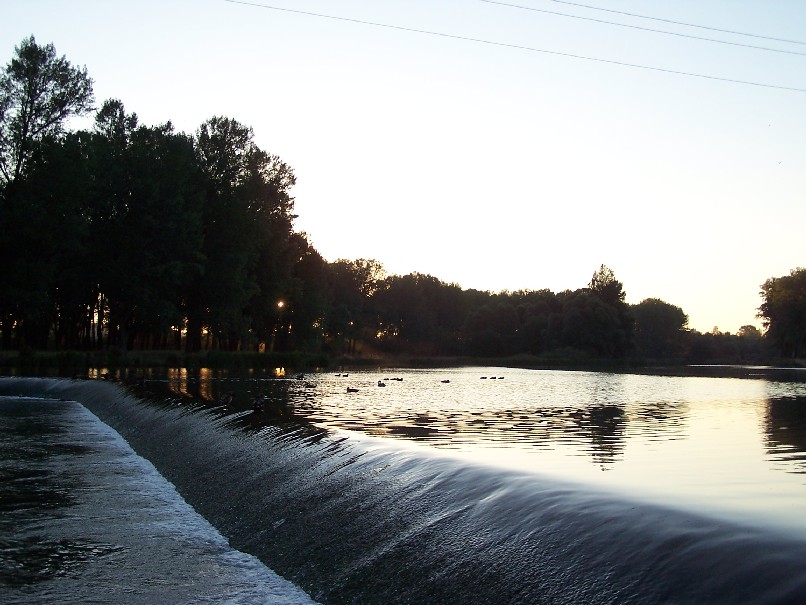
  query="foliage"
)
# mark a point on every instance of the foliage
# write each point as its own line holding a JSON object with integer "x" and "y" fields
{"x": 246, "y": 239}
{"x": 38, "y": 92}
{"x": 418, "y": 311}
{"x": 616, "y": 331}
{"x": 351, "y": 284}
{"x": 784, "y": 312}
{"x": 659, "y": 329}
{"x": 605, "y": 285}
{"x": 139, "y": 238}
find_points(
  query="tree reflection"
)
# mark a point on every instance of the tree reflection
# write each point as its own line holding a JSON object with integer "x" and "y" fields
{"x": 605, "y": 429}
{"x": 785, "y": 427}
{"x": 598, "y": 427}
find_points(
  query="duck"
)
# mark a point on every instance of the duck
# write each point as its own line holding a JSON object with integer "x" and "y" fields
{"x": 381, "y": 383}
{"x": 351, "y": 390}
{"x": 257, "y": 403}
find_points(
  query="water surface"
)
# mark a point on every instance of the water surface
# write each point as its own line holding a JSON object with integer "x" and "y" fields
{"x": 451, "y": 487}
{"x": 85, "y": 520}
{"x": 726, "y": 446}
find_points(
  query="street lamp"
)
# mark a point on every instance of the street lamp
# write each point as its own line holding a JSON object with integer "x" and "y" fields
{"x": 275, "y": 336}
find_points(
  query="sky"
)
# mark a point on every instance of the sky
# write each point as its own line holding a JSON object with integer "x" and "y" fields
{"x": 498, "y": 146}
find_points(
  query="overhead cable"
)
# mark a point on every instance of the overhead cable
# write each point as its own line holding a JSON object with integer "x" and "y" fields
{"x": 518, "y": 46}
{"x": 647, "y": 29}
{"x": 714, "y": 29}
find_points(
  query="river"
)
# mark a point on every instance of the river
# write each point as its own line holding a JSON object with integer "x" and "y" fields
{"x": 471, "y": 485}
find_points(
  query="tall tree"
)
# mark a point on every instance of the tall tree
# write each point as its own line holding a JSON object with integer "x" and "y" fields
{"x": 146, "y": 226}
{"x": 50, "y": 227}
{"x": 246, "y": 227}
{"x": 610, "y": 291}
{"x": 605, "y": 285}
{"x": 306, "y": 300}
{"x": 784, "y": 312}
{"x": 38, "y": 92}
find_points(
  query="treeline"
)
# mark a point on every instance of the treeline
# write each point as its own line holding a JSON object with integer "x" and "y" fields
{"x": 125, "y": 236}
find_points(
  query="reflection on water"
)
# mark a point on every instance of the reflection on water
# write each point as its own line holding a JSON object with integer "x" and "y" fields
{"x": 785, "y": 426}
{"x": 727, "y": 442}
{"x": 592, "y": 413}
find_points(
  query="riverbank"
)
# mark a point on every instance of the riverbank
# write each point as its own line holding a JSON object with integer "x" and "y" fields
{"x": 114, "y": 362}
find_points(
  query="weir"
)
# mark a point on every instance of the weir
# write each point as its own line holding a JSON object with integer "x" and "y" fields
{"x": 368, "y": 521}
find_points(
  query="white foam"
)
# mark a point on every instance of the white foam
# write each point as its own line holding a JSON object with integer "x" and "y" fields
{"x": 155, "y": 547}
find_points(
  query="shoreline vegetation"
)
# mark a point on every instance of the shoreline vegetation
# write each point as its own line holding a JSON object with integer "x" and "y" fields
{"x": 130, "y": 245}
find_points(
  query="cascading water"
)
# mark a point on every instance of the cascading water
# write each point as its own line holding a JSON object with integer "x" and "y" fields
{"x": 362, "y": 520}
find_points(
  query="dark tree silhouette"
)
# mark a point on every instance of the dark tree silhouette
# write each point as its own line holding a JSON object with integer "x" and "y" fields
{"x": 132, "y": 236}
{"x": 38, "y": 92}
{"x": 784, "y": 312}
{"x": 605, "y": 285}
{"x": 246, "y": 227}
{"x": 659, "y": 329}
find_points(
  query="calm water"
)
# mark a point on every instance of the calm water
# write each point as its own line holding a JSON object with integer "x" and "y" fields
{"x": 727, "y": 446}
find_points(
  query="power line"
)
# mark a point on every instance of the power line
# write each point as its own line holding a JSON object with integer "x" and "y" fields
{"x": 714, "y": 29}
{"x": 517, "y": 46}
{"x": 647, "y": 29}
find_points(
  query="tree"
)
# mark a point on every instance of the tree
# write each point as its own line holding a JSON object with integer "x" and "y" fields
{"x": 784, "y": 312}
{"x": 147, "y": 225}
{"x": 247, "y": 229}
{"x": 50, "y": 281}
{"x": 38, "y": 92}
{"x": 749, "y": 331}
{"x": 351, "y": 284}
{"x": 359, "y": 279}
{"x": 610, "y": 291}
{"x": 605, "y": 285}
{"x": 659, "y": 327}
{"x": 277, "y": 251}
{"x": 590, "y": 324}
{"x": 406, "y": 311}
{"x": 308, "y": 298}
{"x": 491, "y": 328}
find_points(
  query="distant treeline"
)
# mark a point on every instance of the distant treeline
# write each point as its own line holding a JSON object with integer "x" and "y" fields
{"x": 130, "y": 237}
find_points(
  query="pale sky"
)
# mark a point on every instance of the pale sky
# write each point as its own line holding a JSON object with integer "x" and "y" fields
{"x": 493, "y": 166}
